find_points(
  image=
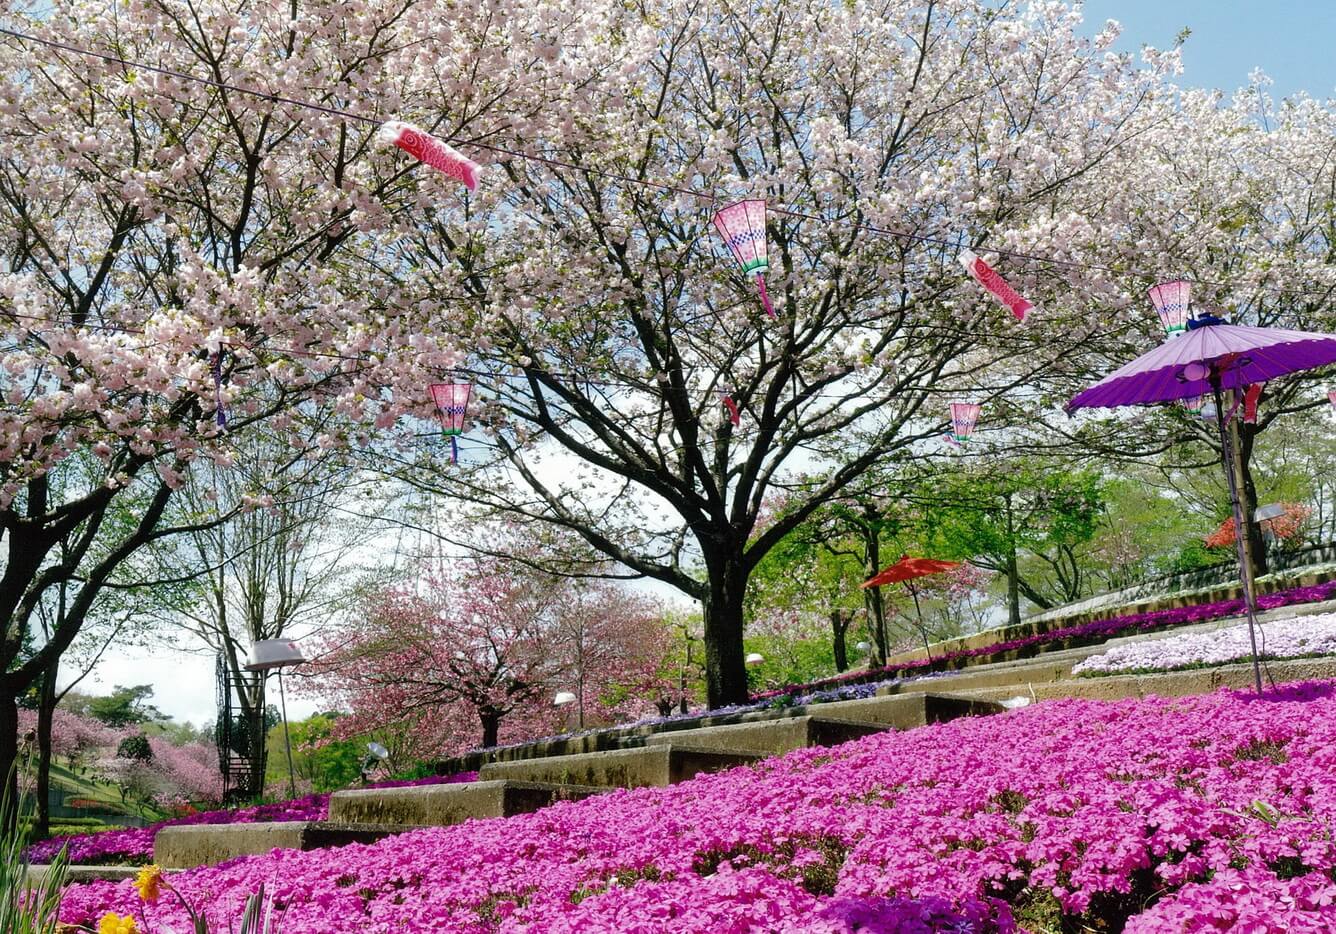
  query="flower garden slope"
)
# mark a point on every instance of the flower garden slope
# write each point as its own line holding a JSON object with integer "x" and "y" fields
{"x": 1084, "y": 634}
{"x": 1186, "y": 814}
{"x": 1301, "y": 637}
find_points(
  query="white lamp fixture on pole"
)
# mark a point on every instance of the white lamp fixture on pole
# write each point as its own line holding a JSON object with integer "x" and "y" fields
{"x": 1264, "y": 515}
{"x": 564, "y": 699}
{"x": 278, "y": 654}
{"x": 755, "y": 658}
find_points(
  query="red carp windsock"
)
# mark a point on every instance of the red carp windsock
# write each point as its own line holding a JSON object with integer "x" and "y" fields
{"x": 424, "y": 147}
{"x": 995, "y": 284}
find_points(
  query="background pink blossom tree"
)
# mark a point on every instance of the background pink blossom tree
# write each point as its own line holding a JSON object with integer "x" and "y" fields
{"x": 477, "y": 656}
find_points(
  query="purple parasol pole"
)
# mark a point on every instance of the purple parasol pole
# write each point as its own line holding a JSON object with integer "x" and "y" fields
{"x": 1245, "y": 566}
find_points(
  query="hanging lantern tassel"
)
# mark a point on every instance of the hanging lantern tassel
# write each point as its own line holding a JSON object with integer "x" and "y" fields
{"x": 1331, "y": 397}
{"x": 995, "y": 284}
{"x": 734, "y": 415}
{"x": 454, "y": 449}
{"x": 424, "y": 147}
{"x": 765, "y": 296}
{"x": 1250, "y": 397}
{"x": 220, "y": 414}
{"x": 742, "y": 227}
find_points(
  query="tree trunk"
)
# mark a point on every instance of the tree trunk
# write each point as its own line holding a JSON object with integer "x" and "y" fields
{"x": 839, "y": 625}
{"x": 1013, "y": 573}
{"x": 725, "y": 669}
{"x": 491, "y": 726}
{"x": 1248, "y": 495}
{"x": 9, "y": 755}
{"x": 46, "y": 708}
{"x": 876, "y": 609}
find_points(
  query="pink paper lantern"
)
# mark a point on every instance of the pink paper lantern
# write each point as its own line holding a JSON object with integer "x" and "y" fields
{"x": 1172, "y": 301}
{"x": 452, "y": 405}
{"x": 742, "y": 227}
{"x": 1331, "y": 397}
{"x": 964, "y": 416}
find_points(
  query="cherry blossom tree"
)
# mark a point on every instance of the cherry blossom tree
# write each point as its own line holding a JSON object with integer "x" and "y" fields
{"x": 1234, "y": 194}
{"x": 612, "y": 647}
{"x": 611, "y": 322}
{"x": 488, "y": 647}
{"x": 185, "y": 246}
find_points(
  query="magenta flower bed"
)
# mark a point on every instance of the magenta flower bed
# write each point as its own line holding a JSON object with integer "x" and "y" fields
{"x": 1207, "y": 813}
{"x": 1086, "y": 632}
{"x": 135, "y": 845}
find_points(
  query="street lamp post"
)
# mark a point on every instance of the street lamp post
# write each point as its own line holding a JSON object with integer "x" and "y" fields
{"x": 278, "y": 654}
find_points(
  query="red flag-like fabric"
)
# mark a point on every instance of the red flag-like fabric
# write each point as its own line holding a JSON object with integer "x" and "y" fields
{"x": 1250, "y": 398}
{"x": 424, "y": 147}
{"x": 995, "y": 284}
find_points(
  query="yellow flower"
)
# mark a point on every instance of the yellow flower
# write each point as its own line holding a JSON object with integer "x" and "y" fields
{"x": 149, "y": 883}
{"x": 113, "y": 923}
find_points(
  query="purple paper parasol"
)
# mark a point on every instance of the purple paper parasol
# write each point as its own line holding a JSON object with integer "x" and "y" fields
{"x": 1166, "y": 373}
{"x": 1213, "y": 358}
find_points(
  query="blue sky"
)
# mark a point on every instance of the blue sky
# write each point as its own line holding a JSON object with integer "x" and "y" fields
{"x": 1293, "y": 41}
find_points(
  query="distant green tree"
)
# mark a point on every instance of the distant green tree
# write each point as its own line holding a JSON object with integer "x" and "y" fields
{"x": 326, "y": 762}
{"x": 1025, "y": 520}
{"x": 135, "y": 747}
{"x": 125, "y": 706}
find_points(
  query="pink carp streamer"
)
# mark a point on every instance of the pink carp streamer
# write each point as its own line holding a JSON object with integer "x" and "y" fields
{"x": 995, "y": 284}
{"x": 220, "y": 414}
{"x": 424, "y": 147}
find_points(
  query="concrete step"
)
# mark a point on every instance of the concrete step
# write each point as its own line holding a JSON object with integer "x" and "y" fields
{"x": 1170, "y": 683}
{"x": 771, "y": 737}
{"x": 970, "y": 679}
{"x": 207, "y": 844}
{"x": 657, "y": 765}
{"x": 441, "y": 805}
{"x": 906, "y": 711}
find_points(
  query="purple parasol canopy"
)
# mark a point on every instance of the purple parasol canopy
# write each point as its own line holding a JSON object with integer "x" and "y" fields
{"x": 1181, "y": 367}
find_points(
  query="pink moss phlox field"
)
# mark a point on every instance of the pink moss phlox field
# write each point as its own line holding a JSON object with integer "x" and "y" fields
{"x": 1159, "y": 814}
{"x": 135, "y": 845}
{"x": 1086, "y": 632}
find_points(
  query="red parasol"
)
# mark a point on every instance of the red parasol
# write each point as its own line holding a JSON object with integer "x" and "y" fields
{"x": 907, "y": 569}
{"x": 904, "y": 571}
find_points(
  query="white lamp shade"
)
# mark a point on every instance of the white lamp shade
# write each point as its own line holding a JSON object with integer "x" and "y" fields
{"x": 563, "y": 698}
{"x": 755, "y": 658}
{"x": 273, "y": 653}
{"x": 863, "y": 646}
